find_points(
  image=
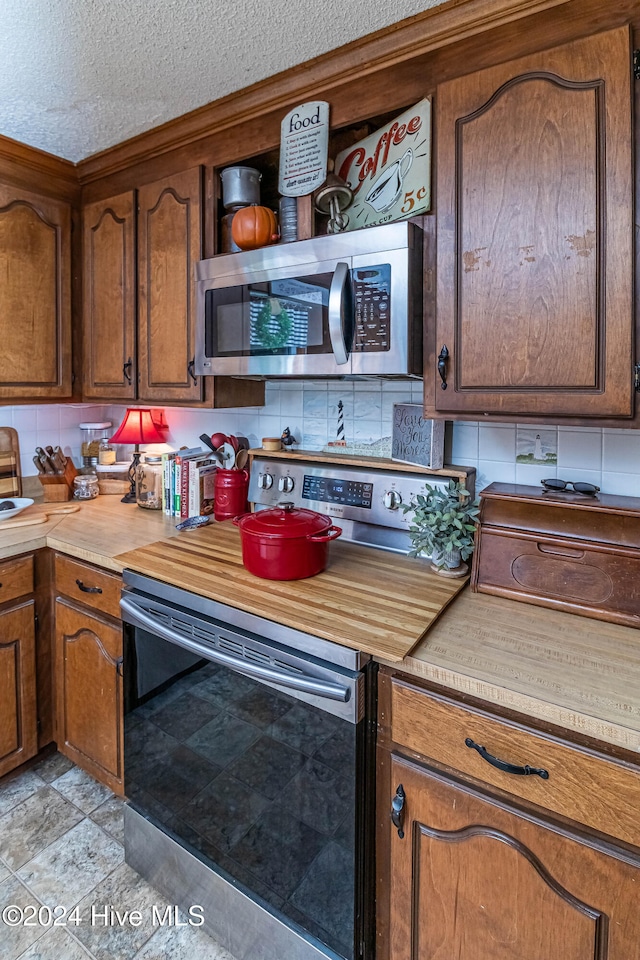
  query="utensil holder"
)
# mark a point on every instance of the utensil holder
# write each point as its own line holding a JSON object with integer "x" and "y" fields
{"x": 59, "y": 486}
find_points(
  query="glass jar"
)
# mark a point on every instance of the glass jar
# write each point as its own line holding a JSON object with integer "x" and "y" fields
{"x": 92, "y": 435}
{"x": 106, "y": 452}
{"x": 149, "y": 483}
{"x": 85, "y": 487}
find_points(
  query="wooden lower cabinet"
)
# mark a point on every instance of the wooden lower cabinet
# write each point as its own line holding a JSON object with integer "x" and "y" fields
{"x": 89, "y": 691}
{"x": 474, "y": 880}
{"x": 480, "y": 862}
{"x": 18, "y": 705}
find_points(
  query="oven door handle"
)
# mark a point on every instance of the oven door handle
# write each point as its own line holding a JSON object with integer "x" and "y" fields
{"x": 320, "y": 688}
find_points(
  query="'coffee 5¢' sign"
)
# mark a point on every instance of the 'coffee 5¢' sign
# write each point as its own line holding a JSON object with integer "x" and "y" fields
{"x": 304, "y": 136}
{"x": 390, "y": 170}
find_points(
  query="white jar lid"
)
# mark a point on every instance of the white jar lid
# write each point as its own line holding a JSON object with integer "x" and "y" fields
{"x": 95, "y": 426}
{"x": 120, "y": 466}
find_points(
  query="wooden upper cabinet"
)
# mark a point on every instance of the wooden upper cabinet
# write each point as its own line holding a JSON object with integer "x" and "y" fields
{"x": 35, "y": 296}
{"x": 169, "y": 244}
{"x": 534, "y": 233}
{"x": 109, "y": 298}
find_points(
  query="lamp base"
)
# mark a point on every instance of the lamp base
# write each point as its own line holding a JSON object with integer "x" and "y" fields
{"x": 130, "y": 496}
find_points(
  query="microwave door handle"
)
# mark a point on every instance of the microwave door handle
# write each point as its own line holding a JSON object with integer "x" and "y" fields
{"x": 321, "y": 688}
{"x": 337, "y": 313}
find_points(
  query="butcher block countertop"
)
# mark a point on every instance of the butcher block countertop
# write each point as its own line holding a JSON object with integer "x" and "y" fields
{"x": 370, "y": 600}
{"x": 574, "y": 672}
{"x": 578, "y": 673}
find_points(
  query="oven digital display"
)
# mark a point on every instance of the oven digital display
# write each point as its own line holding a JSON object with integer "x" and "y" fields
{"x": 352, "y": 493}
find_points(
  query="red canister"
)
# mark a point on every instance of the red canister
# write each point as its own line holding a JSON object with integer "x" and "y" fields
{"x": 230, "y": 489}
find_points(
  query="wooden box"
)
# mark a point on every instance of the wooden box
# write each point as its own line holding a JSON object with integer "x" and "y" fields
{"x": 560, "y": 550}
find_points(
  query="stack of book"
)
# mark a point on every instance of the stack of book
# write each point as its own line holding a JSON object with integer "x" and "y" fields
{"x": 187, "y": 483}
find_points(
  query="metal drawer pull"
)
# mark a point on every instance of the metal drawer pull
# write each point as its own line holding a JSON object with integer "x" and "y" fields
{"x": 88, "y": 589}
{"x": 397, "y": 811}
{"x": 525, "y": 771}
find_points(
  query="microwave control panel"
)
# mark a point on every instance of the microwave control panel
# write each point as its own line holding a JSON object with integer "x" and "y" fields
{"x": 372, "y": 298}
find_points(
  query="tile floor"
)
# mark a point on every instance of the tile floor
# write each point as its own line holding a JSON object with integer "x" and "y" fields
{"x": 61, "y": 839}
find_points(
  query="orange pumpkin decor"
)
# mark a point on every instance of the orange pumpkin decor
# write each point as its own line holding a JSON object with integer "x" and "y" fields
{"x": 254, "y": 227}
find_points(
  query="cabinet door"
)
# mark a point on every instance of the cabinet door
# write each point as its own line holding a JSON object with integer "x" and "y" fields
{"x": 170, "y": 238}
{"x": 474, "y": 880}
{"x": 18, "y": 711}
{"x": 109, "y": 298}
{"x": 35, "y": 296}
{"x": 534, "y": 221}
{"x": 89, "y": 706}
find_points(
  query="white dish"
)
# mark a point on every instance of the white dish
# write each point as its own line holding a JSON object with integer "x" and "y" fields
{"x": 21, "y": 503}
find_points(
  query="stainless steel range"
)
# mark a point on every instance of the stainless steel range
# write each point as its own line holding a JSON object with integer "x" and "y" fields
{"x": 250, "y": 746}
{"x": 367, "y": 500}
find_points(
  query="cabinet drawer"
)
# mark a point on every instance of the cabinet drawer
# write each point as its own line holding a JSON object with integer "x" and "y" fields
{"x": 88, "y": 585}
{"x": 16, "y": 578}
{"x": 600, "y": 793}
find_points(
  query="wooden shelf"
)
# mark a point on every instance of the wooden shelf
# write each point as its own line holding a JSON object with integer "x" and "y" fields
{"x": 320, "y": 456}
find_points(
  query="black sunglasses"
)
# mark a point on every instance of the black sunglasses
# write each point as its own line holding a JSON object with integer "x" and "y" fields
{"x": 588, "y": 489}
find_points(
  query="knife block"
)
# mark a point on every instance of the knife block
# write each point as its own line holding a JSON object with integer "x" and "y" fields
{"x": 59, "y": 486}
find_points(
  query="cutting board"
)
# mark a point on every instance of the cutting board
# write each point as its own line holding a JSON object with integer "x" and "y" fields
{"x": 371, "y": 600}
{"x": 34, "y": 515}
{"x": 10, "y": 473}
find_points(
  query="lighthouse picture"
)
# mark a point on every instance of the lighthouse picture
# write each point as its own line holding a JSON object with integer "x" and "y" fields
{"x": 340, "y": 440}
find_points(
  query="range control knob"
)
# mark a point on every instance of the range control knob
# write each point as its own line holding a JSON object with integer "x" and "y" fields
{"x": 265, "y": 481}
{"x": 392, "y": 499}
{"x": 285, "y": 484}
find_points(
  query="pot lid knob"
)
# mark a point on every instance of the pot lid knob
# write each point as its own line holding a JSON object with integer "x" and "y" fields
{"x": 287, "y": 506}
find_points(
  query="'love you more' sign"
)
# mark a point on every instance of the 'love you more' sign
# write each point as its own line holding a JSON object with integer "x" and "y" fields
{"x": 414, "y": 439}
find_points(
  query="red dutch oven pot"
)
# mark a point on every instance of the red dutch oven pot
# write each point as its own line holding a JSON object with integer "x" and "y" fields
{"x": 285, "y": 543}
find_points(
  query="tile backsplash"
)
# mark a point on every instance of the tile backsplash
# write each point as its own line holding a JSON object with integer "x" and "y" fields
{"x": 506, "y": 452}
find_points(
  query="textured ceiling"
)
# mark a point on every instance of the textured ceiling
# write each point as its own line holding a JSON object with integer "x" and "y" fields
{"x": 77, "y": 76}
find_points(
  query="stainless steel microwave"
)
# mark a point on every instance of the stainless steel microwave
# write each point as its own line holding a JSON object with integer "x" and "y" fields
{"x": 348, "y": 304}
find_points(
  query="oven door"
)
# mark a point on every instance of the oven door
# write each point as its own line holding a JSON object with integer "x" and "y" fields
{"x": 254, "y": 758}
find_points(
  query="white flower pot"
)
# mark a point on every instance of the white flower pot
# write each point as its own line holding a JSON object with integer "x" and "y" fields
{"x": 448, "y": 563}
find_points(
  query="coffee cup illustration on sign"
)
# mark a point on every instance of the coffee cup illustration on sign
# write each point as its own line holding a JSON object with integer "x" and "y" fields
{"x": 388, "y": 187}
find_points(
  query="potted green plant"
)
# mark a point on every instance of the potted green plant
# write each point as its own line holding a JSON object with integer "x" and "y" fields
{"x": 442, "y": 526}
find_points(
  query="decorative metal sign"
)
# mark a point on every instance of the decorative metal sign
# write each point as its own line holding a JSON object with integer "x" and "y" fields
{"x": 304, "y": 138}
{"x": 416, "y": 440}
{"x": 390, "y": 170}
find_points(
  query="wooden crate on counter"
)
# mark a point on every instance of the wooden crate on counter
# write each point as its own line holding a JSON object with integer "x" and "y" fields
{"x": 561, "y": 550}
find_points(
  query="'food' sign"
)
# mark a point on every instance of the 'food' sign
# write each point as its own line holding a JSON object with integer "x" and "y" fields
{"x": 304, "y": 135}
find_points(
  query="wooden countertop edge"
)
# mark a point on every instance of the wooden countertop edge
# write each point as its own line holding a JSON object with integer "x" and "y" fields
{"x": 528, "y": 706}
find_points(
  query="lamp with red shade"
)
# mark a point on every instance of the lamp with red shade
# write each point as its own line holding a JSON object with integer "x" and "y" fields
{"x": 137, "y": 427}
